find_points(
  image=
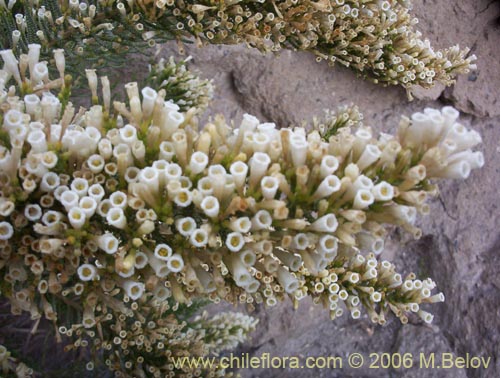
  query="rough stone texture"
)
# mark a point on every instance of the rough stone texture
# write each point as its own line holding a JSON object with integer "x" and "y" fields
{"x": 461, "y": 240}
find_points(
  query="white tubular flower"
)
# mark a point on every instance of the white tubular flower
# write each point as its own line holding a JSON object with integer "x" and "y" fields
{"x": 367, "y": 242}
{"x": 146, "y": 228}
{"x": 116, "y": 218}
{"x": 33, "y": 212}
{"x": 37, "y": 140}
{"x": 60, "y": 61}
{"x": 173, "y": 187}
{"x": 329, "y": 164}
{"x": 268, "y": 128}
{"x": 50, "y": 181}
{"x": 139, "y": 150}
{"x": 167, "y": 151}
{"x": 287, "y": 280}
{"x": 96, "y": 191}
{"x": 183, "y": 198}
{"x": 51, "y": 218}
{"x": 198, "y": 162}
{"x": 239, "y": 170}
{"x": 105, "y": 148}
{"x": 185, "y": 226}
{"x": 199, "y": 238}
{"x": 171, "y": 123}
{"x": 462, "y": 138}
{"x": 300, "y": 241}
{"x": 425, "y": 316}
{"x": 375, "y": 297}
{"x": 96, "y": 163}
{"x": 76, "y": 217}
{"x": 6, "y": 207}
{"x": 459, "y": 170}
{"x": 363, "y": 199}
{"x": 242, "y": 225}
{"x": 261, "y": 142}
{"x": 238, "y": 270}
{"x": 32, "y": 104}
{"x": 123, "y": 151}
{"x": 87, "y": 272}
{"x": 40, "y": 72}
{"x": 161, "y": 293}
{"x": 269, "y": 186}
{"x": 132, "y": 175}
{"x": 163, "y": 252}
{"x": 175, "y": 263}
{"x": 134, "y": 290}
{"x": 262, "y": 220}
{"x": 205, "y": 186}
{"x": 298, "y": 149}
{"x": 118, "y": 199}
{"x": 327, "y": 246}
{"x": 88, "y": 205}
{"x": 235, "y": 241}
{"x": 12, "y": 119}
{"x": 292, "y": 261}
{"x": 248, "y": 123}
{"x": 383, "y": 191}
{"x": 149, "y": 96}
{"x": 173, "y": 172}
{"x": 415, "y": 134}
{"x": 128, "y": 134}
{"x": 108, "y": 243}
{"x": 80, "y": 186}
{"x": 126, "y": 272}
{"x": 210, "y": 206}
{"x": 248, "y": 257}
{"x": 49, "y": 246}
{"x": 252, "y": 286}
{"x": 159, "y": 266}
{"x": 475, "y": 159}
{"x": 33, "y": 56}
{"x": 6, "y": 231}
{"x": 259, "y": 163}
{"x": 206, "y": 280}
{"x": 216, "y": 171}
{"x": 49, "y": 159}
{"x": 69, "y": 199}
{"x": 327, "y": 223}
{"x": 11, "y": 64}
{"x": 327, "y": 187}
{"x": 92, "y": 81}
{"x": 369, "y": 156}
{"x": 450, "y": 115}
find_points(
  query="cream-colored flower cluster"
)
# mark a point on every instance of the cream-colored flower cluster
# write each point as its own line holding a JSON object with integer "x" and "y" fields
{"x": 375, "y": 38}
{"x": 181, "y": 86}
{"x": 51, "y": 274}
{"x": 149, "y": 338}
{"x": 223, "y": 331}
{"x": 125, "y": 203}
{"x": 10, "y": 366}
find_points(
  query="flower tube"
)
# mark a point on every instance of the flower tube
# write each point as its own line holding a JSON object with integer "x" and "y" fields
{"x": 108, "y": 243}
{"x": 87, "y": 272}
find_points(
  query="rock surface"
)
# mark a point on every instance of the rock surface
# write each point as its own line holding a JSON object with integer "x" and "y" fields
{"x": 461, "y": 243}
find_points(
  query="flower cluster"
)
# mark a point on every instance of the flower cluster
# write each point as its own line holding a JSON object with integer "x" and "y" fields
{"x": 10, "y": 366}
{"x": 149, "y": 338}
{"x": 181, "y": 86}
{"x": 375, "y": 38}
{"x": 49, "y": 246}
{"x": 134, "y": 204}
